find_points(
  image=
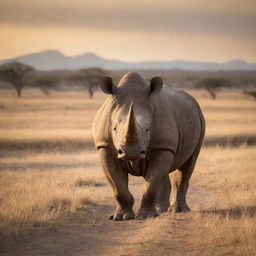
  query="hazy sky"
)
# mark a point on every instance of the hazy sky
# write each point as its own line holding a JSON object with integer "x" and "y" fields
{"x": 204, "y": 30}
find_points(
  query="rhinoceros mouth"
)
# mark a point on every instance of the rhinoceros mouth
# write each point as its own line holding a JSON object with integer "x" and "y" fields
{"x": 131, "y": 156}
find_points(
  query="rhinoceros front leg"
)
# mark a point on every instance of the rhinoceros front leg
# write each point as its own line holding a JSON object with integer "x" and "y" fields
{"x": 118, "y": 180}
{"x": 156, "y": 173}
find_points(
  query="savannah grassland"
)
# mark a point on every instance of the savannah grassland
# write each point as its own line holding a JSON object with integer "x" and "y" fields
{"x": 50, "y": 178}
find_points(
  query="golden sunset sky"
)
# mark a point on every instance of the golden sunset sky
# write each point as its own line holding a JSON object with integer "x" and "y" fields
{"x": 201, "y": 30}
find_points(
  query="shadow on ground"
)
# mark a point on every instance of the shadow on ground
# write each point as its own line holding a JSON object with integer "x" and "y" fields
{"x": 231, "y": 141}
{"x": 235, "y": 213}
{"x": 44, "y": 166}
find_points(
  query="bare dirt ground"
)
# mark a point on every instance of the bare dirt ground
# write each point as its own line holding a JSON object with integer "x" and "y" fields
{"x": 88, "y": 232}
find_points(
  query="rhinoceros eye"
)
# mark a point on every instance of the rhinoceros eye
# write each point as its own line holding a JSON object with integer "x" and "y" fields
{"x": 147, "y": 130}
{"x": 114, "y": 128}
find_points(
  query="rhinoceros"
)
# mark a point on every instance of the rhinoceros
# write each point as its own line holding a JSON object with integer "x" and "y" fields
{"x": 151, "y": 130}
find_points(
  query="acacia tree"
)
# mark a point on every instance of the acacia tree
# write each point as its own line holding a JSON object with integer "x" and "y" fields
{"x": 46, "y": 83}
{"x": 88, "y": 78}
{"x": 14, "y": 73}
{"x": 213, "y": 85}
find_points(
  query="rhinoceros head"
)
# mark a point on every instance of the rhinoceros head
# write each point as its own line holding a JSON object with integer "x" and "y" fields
{"x": 131, "y": 114}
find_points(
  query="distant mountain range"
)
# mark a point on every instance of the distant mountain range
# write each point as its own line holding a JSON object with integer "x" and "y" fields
{"x": 52, "y": 60}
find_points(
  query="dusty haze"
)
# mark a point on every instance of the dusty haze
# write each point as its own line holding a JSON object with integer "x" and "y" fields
{"x": 131, "y": 31}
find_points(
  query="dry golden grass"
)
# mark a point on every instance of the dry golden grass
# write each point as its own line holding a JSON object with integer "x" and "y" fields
{"x": 39, "y": 185}
{"x": 36, "y": 190}
{"x": 48, "y": 166}
{"x": 230, "y": 218}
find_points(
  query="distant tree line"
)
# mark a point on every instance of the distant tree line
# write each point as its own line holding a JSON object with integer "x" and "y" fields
{"x": 20, "y": 75}
{"x": 215, "y": 85}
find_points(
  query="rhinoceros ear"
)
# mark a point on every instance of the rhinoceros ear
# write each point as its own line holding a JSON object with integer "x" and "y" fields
{"x": 107, "y": 85}
{"x": 156, "y": 85}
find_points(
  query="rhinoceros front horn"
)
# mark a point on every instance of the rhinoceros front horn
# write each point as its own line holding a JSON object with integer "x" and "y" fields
{"x": 132, "y": 129}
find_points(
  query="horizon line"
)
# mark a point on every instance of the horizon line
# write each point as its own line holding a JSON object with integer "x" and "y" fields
{"x": 139, "y": 61}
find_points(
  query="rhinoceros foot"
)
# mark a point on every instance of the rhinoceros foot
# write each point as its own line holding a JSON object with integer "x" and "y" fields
{"x": 122, "y": 215}
{"x": 146, "y": 213}
{"x": 175, "y": 208}
{"x": 163, "y": 208}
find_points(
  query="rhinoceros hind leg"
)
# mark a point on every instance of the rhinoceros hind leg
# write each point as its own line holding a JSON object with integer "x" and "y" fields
{"x": 164, "y": 196}
{"x": 175, "y": 208}
{"x": 122, "y": 215}
{"x": 180, "y": 182}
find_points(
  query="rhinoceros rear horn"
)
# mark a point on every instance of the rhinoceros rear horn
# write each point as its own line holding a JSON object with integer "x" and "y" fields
{"x": 156, "y": 85}
{"x": 107, "y": 85}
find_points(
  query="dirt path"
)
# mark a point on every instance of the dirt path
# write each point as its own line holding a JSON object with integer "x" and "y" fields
{"x": 88, "y": 232}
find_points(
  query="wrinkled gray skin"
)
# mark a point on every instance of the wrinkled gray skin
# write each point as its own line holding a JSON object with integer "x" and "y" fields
{"x": 149, "y": 130}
